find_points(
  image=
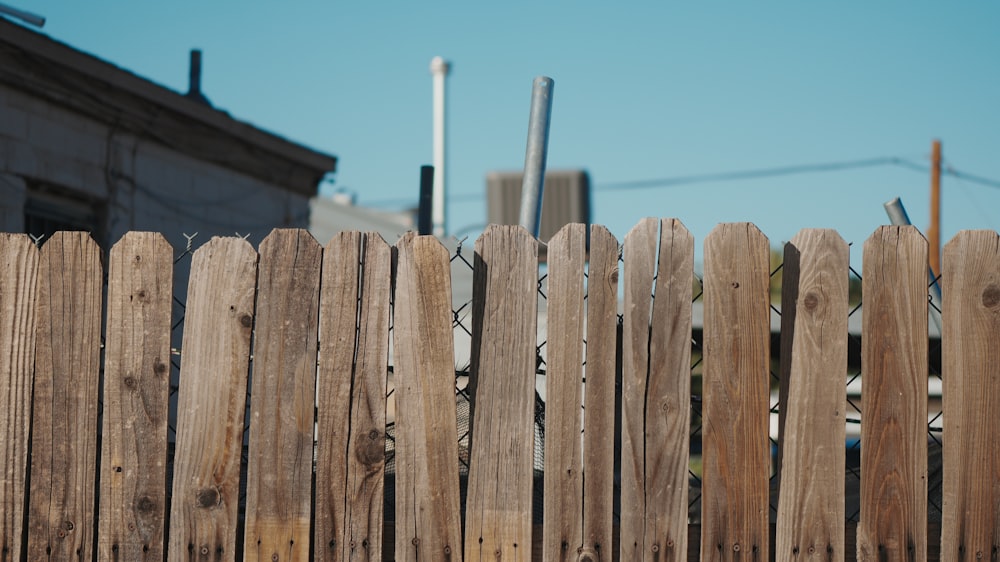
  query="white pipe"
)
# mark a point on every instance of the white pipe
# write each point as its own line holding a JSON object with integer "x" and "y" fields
{"x": 439, "y": 70}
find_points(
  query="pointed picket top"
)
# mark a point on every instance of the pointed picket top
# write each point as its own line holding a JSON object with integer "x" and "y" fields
{"x": 970, "y": 510}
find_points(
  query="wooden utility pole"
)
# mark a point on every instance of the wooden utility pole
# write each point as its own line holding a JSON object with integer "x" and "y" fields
{"x": 934, "y": 230}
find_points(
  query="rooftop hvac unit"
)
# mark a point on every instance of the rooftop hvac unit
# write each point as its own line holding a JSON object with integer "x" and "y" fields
{"x": 565, "y": 199}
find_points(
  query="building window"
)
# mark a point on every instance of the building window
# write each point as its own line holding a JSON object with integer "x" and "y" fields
{"x": 49, "y": 209}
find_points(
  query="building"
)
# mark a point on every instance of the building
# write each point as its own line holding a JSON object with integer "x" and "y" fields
{"x": 87, "y": 145}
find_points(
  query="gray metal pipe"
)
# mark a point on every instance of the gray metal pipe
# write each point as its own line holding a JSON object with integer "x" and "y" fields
{"x": 898, "y": 217}
{"x": 534, "y": 157}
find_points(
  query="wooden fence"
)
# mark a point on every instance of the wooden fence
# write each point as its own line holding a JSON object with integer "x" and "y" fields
{"x": 314, "y": 474}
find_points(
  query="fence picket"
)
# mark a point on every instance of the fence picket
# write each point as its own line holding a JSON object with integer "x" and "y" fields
{"x": 893, "y": 522}
{"x": 639, "y": 253}
{"x": 211, "y": 401}
{"x": 355, "y": 352}
{"x": 971, "y": 375}
{"x": 656, "y": 375}
{"x": 337, "y": 332}
{"x": 599, "y": 413}
{"x": 562, "y": 533}
{"x": 736, "y": 375}
{"x": 282, "y": 404}
{"x": 64, "y": 422}
{"x": 505, "y": 304}
{"x": 668, "y": 394}
{"x": 136, "y": 396}
{"x": 813, "y": 365}
{"x": 428, "y": 515}
{"x": 18, "y": 278}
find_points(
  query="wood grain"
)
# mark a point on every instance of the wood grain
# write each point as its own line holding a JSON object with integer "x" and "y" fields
{"x": 563, "y": 524}
{"x": 18, "y": 278}
{"x": 215, "y": 358}
{"x": 136, "y": 399}
{"x": 736, "y": 375}
{"x": 599, "y": 396}
{"x": 505, "y": 302}
{"x": 428, "y": 516}
{"x": 639, "y": 254}
{"x": 813, "y": 364}
{"x": 282, "y": 398}
{"x": 893, "y": 524}
{"x": 64, "y": 423}
{"x": 338, "y": 342}
{"x": 970, "y": 527}
{"x": 354, "y": 355}
{"x": 667, "y": 403}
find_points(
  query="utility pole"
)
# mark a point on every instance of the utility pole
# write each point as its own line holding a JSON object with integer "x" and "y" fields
{"x": 934, "y": 231}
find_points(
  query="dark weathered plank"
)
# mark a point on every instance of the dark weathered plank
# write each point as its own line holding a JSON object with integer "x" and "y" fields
{"x": 366, "y": 443}
{"x": 639, "y": 254}
{"x": 354, "y": 354}
{"x": 215, "y": 358}
{"x": 505, "y": 304}
{"x": 338, "y": 332}
{"x": 428, "y": 517}
{"x": 737, "y": 356}
{"x": 599, "y": 396}
{"x": 668, "y": 390}
{"x": 64, "y": 423}
{"x": 282, "y": 398}
{"x": 970, "y": 527}
{"x": 136, "y": 396}
{"x": 893, "y": 523}
{"x": 563, "y": 528}
{"x": 813, "y": 364}
{"x": 18, "y": 277}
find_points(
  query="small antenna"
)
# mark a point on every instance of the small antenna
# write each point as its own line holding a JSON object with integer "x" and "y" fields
{"x": 27, "y": 17}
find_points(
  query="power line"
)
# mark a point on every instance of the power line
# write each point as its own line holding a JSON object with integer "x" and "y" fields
{"x": 758, "y": 173}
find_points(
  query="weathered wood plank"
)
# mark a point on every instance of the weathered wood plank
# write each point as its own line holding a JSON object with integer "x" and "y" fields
{"x": 64, "y": 423}
{"x": 639, "y": 254}
{"x": 599, "y": 396}
{"x": 338, "y": 342}
{"x": 18, "y": 278}
{"x": 428, "y": 516}
{"x": 282, "y": 398}
{"x": 218, "y": 323}
{"x": 505, "y": 304}
{"x": 668, "y": 393}
{"x": 737, "y": 356}
{"x": 136, "y": 399}
{"x": 813, "y": 363}
{"x": 970, "y": 527}
{"x": 366, "y": 441}
{"x": 563, "y": 525}
{"x": 893, "y": 523}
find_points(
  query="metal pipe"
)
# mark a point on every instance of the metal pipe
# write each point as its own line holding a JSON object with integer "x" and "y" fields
{"x": 439, "y": 70}
{"x": 424, "y": 222}
{"x": 898, "y": 217}
{"x": 534, "y": 157}
{"x": 28, "y": 17}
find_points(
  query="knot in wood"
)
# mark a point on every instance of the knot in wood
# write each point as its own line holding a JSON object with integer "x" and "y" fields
{"x": 145, "y": 505}
{"x": 811, "y": 301}
{"x": 207, "y": 497}
{"x": 370, "y": 449}
{"x": 246, "y": 320}
{"x": 160, "y": 368}
{"x": 991, "y": 296}
{"x": 68, "y": 525}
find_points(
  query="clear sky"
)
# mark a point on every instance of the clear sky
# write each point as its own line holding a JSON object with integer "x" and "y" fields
{"x": 642, "y": 91}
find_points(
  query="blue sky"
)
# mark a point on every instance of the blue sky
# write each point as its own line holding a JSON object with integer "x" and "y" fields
{"x": 642, "y": 91}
